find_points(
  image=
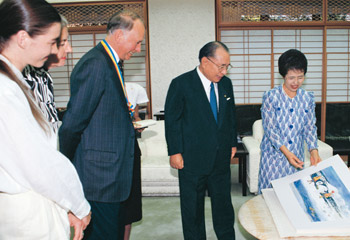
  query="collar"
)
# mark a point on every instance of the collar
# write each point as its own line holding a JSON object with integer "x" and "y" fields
{"x": 16, "y": 71}
{"x": 114, "y": 52}
{"x": 205, "y": 81}
{"x": 286, "y": 95}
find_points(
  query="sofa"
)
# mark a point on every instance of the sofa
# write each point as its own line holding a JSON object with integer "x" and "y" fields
{"x": 252, "y": 144}
{"x": 157, "y": 177}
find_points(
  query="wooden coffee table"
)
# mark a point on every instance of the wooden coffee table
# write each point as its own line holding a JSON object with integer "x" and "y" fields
{"x": 255, "y": 217}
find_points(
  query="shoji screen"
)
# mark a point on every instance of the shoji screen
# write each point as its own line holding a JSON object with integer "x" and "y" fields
{"x": 251, "y": 60}
{"x": 338, "y": 65}
{"x": 255, "y": 53}
{"x": 134, "y": 69}
{"x": 308, "y": 41}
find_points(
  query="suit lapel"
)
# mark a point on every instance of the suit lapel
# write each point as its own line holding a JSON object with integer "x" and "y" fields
{"x": 116, "y": 79}
{"x": 202, "y": 98}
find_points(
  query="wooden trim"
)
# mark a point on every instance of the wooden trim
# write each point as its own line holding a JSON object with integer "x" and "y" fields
{"x": 148, "y": 63}
{"x": 107, "y": 2}
{"x": 283, "y": 24}
{"x": 324, "y": 86}
{"x": 271, "y": 28}
{"x": 88, "y": 29}
{"x": 217, "y": 19}
{"x": 272, "y": 24}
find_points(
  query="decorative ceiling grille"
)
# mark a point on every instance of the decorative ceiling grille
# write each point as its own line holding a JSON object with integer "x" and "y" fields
{"x": 95, "y": 15}
{"x": 267, "y": 10}
{"x": 338, "y": 10}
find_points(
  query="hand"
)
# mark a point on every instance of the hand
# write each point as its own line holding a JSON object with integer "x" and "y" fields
{"x": 86, "y": 220}
{"x": 176, "y": 161}
{"x": 136, "y": 119}
{"x": 314, "y": 157}
{"x": 292, "y": 159}
{"x": 233, "y": 152}
{"x": 78, "y": 225}
{"x": 140, "y": 129}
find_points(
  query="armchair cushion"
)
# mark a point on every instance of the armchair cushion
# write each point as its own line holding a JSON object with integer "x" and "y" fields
{"x": 157, "y": 176}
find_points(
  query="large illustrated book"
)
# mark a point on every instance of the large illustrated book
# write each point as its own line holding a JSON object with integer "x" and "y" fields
{"x": 312, "y": 202}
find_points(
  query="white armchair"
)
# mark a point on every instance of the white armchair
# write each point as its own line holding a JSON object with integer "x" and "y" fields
{"x": 252, "y": 144}
{"x": 157, "y": 176}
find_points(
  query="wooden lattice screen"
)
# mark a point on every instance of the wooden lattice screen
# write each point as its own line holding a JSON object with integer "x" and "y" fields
{"x": 338, "y": 10}
{"x": 88, "y": 14}
{"x": 239, "y": 11}
{"x": 288, "y": 10}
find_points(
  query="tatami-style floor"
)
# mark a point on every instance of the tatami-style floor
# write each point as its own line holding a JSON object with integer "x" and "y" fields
{"x": 162, "y": 217}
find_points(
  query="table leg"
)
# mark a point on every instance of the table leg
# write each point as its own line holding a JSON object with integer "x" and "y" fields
{"x": 244, "y": 176}
{"x": 240, "y": 169}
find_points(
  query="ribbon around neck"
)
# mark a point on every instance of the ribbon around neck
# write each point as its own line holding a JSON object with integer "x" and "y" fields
{"x": 114, "y": 60}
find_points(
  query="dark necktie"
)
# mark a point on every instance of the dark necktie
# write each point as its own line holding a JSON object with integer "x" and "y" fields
{"x": 213, "y": 104}
{"x": 121, "y": 66}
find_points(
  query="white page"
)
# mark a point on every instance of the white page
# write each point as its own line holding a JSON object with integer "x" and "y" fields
{"x": 304, "y": 198}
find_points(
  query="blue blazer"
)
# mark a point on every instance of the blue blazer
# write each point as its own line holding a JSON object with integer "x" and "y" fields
{"x": 97, "y": 133}
{"x": 190, "y": 126}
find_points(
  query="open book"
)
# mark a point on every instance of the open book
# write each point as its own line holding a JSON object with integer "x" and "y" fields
{"x": 144, "y": 123}
{"x": 312, "y": 202}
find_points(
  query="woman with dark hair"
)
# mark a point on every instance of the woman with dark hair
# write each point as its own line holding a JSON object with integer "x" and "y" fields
{"x": 288, "y": 117}
{"x": 40, "y": 81}
{"x": 38, "y": 185}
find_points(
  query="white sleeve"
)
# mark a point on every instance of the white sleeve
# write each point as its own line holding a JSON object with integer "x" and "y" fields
{"x": 141, "y": 95}
{"x": 31, "y": 161}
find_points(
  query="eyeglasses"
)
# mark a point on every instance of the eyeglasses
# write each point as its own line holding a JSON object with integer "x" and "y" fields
{"x": 222, "y": 67}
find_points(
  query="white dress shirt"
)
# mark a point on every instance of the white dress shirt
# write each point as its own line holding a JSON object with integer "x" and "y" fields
{"x": 136, "y": 93}
{"x": 206, "y": 84}
{"x": 29, "y": 160}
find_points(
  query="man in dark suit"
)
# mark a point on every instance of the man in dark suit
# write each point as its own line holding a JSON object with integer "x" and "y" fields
{"x": 97, "y": 133}
{"x": 201, "y": 137}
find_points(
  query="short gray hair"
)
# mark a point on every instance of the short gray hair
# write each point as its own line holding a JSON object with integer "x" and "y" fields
{"x": 122, "y": 20}
{"x": 64, "y": 22}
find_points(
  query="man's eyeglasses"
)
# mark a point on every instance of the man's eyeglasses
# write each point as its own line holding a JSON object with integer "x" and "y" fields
{"x": 222, "y": 67}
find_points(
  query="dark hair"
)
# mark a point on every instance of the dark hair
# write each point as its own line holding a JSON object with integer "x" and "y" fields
{"x": 209, "y": 49}
{"x": 292, "y": 60}
{"x": 122, "y": 20}
{"x": 34, "y": 17}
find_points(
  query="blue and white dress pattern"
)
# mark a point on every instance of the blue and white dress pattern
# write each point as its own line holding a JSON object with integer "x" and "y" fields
{"x": 289, "y": 122}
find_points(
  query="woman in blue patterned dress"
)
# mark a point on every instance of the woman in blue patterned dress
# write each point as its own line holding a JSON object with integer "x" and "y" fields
{"x": 288, "y": 116}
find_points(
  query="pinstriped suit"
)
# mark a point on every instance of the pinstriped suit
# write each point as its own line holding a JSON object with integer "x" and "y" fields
{"x": 97, "y": 133}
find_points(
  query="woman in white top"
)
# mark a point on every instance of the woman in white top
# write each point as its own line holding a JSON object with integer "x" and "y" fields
{"x": 38, "y": 185}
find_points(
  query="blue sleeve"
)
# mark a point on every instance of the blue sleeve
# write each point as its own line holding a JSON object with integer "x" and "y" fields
{"x": 310, "y": 129}
{"x": 269, "y": 119}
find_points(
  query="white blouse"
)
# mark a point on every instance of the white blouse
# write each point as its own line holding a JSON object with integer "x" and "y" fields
{"x": 28, "y": 156}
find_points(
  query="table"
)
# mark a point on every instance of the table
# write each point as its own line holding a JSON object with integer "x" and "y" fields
{"x": 241, "y": 154}
{"x": 340, "y": 147}
{"x": 159, "y": 115}
{"x": 255, "y": 217}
